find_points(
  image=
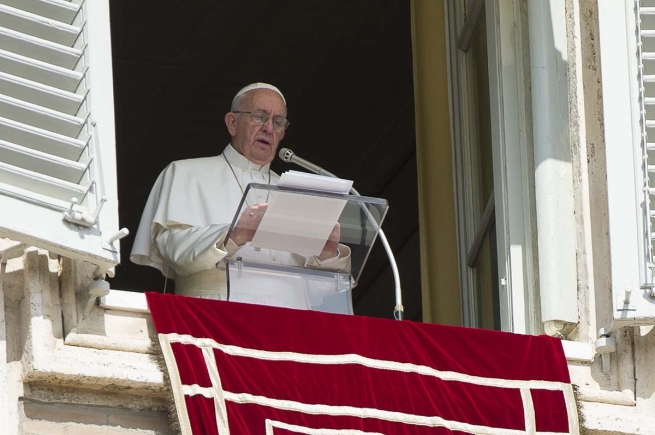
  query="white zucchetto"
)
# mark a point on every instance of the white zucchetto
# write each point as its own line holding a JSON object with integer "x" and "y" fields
{"x": 254, "y": 86}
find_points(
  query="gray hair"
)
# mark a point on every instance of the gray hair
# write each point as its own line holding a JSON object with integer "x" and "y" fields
{"x": 238, "y": 101}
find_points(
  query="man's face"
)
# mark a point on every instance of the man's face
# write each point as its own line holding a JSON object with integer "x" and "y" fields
{"x": 258, "y": 143}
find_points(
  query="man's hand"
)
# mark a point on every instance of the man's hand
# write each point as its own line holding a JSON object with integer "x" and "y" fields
{"x": 331, "y": 246}
{"x": 247, "y": 224}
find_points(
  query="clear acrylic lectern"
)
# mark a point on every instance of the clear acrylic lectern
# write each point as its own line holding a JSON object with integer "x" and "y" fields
{"x": 280, "y": 266}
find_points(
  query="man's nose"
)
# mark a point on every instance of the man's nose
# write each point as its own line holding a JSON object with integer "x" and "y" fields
{"x": 268, "y": 125}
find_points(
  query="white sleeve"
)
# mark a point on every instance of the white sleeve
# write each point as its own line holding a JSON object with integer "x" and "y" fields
{"x": 340, "y": 262}
{"x": 192, "y": 249}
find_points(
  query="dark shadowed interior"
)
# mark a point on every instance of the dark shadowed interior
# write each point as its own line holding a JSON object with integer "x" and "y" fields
{"x": 345, "y": 69}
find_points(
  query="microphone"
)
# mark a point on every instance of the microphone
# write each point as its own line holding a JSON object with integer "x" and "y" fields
{"x": 290, "y": 157}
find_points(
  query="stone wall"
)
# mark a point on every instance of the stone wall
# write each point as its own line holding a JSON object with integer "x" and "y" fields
{"x": 68, "y": 369}
{"x": 620, "y": 400}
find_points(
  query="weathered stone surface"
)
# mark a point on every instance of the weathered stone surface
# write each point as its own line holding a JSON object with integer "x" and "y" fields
{"x": 106, "y": 384}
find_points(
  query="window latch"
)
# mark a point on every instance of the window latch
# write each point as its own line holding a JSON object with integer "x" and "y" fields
{"x": 86, "y": 217}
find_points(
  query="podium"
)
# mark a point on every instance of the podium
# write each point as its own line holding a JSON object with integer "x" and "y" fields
{"x": 280, "y": 266}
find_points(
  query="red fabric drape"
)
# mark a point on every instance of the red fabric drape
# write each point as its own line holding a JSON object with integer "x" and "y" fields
{"x": 298, "y": 371}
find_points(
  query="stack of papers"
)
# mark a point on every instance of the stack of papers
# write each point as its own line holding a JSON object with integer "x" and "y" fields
{"x": 304, "y": 180}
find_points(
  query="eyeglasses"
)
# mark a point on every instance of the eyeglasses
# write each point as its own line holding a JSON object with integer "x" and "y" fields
{"x": 259, "y": 117}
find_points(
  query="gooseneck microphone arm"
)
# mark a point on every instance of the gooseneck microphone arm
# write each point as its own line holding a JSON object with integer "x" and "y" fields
{"x": 290, "y": 157}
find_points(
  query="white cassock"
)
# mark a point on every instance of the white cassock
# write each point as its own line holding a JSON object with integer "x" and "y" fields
{"x": 187, "y": 216}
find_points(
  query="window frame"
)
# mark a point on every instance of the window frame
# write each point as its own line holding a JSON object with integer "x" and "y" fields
{"x": 513, "y": 163}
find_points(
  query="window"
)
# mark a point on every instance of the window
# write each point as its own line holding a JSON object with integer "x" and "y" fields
{"x": 492, "y": 164}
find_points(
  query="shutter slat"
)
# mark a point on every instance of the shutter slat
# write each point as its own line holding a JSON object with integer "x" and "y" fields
{"x": 38, "y": 26}
{"x": 39, "y": 49}
{"x": 41, "y": 117}
{"x": 56, "y": 167}
{"x": 40, "y": 183}
{"x": 41, "y": 140}
{"x": 40, "y": 72}
{"x": 40, "y": 94}
{"x": 60, "y": 10}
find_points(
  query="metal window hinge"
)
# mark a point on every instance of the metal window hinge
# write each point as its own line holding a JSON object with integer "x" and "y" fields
{"x": 86, "y": 218}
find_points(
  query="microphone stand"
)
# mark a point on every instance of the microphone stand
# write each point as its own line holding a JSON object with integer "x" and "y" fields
{"x": 399, "y": 310}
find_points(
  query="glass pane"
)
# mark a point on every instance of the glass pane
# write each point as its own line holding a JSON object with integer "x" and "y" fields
{"x": 485, "y": 269}
{"x": 481, "y": 118}
{"x": 487, "y": 301}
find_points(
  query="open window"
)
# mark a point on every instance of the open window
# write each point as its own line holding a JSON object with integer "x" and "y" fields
{"x": 172, "y": 89}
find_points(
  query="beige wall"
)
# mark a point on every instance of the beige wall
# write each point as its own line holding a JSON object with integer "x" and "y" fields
{"x": 439, "y": 270}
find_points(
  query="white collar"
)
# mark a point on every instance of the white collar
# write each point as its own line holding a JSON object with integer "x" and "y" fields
{"x": 240, "y": 161}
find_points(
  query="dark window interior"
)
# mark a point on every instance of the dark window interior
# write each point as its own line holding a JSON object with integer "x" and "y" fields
{"x": 345, "y": 69}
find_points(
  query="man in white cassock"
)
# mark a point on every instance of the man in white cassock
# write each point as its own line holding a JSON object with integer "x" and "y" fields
{"x": 185, "y": 222}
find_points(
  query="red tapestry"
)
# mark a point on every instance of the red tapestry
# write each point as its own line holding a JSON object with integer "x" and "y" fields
{"x": 249, "y": 369}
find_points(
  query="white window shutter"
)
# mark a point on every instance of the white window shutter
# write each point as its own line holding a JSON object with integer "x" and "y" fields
{"x": 627, "y": 52}
{"x": 57, "y": 142}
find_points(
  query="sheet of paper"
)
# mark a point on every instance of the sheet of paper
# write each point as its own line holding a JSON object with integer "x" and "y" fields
{"x": 305, "y": 180}
{"x": 298, "y": 223}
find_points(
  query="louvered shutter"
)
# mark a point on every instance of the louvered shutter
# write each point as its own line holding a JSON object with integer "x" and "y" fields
{"x": 57, "y": 143}
{"x": 627, "y": 54}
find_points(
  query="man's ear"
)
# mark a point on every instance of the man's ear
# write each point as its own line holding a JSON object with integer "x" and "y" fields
{"x": 231, "y": 123}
